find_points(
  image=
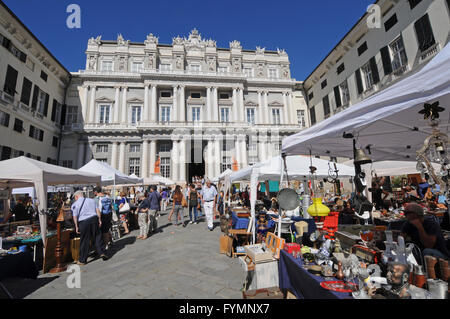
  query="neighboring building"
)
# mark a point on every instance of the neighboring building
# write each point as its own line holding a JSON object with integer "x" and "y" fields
{"x": 190, "y": 107}
{"x": 32, "y": 91}
{"x": 368, "y": 60}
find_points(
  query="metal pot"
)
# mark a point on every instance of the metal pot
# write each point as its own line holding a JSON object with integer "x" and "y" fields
{"x": 288, "y": 199}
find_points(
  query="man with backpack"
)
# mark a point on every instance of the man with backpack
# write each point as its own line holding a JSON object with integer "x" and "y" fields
{"x": 104, "y": 207}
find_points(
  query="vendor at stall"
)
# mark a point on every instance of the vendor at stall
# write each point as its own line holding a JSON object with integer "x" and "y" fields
{"x": 20, "y": 212}
{"x": 424, "y": 232}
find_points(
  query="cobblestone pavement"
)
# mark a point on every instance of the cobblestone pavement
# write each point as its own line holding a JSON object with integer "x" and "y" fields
{"x": 174, "y": 263}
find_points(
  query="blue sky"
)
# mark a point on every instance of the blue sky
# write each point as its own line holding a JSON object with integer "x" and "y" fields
{"x": 307, "y": 30}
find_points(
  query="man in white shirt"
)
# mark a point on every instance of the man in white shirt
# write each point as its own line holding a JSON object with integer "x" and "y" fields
{"x": 208, "y": 195}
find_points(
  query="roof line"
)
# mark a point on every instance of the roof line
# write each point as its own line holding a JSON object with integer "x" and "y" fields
{"x": 33, "y": 36}
{"x": 356, "y": 24}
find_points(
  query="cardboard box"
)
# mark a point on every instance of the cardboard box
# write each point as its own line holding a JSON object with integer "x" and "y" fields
{"x": 257, "y": 254}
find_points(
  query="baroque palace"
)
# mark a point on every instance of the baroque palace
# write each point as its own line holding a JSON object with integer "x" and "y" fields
{"x": 185, "y": 109}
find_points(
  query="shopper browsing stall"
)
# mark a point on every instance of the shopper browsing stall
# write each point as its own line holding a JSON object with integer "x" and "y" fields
{"x": 104, "y": 207}
{"x": 143, "y": 209}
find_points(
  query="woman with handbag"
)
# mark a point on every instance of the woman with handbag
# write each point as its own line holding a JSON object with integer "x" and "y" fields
{"x": 124, "y": 209}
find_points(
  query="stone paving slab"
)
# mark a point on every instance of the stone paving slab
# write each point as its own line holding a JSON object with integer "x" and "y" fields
{"x": 176, "y": 263}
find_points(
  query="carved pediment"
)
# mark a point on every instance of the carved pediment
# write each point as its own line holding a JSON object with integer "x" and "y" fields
{"x": 135, "y": 100}
{"x": 276, "y": 104}
{"x": 250, "y": 103}
{"x": 104, "y": 99}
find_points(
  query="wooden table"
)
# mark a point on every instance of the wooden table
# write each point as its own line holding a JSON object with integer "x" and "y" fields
{"x": 235, "y": 233}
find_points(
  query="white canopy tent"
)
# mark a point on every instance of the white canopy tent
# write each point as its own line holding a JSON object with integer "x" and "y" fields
{"x": 110, "y": 175}
{"x": 222, "y": 176}
{"x": 387, "y": 122}
{"x": 26, "y": 172}
{"x": 272, "y": 169}
{"x": 390, "y": 168}
{"x": 158, "y": 180}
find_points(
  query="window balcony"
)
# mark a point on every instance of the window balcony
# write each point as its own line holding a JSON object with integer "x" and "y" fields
{"x": 400, "y": 70}
{"x": 430, "y": 52}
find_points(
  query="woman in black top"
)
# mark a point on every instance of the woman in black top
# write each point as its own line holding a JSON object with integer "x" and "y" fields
{"x": 193, "y": 203}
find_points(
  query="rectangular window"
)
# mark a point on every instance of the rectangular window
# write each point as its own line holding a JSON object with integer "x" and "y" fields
{"x": 135, "y": 148}
{"x": 136, "y": 67}
{"x": 390, "y": 22}
{"x": 10, "y": 81}
{"x": 44, "y": 76}
{"x": 398, "y": 53}
{"x": 102, "y": 148}
{"x": 340, "y": 68}
{"x": 195, "y": 67}
{"x": 248, "y": 72}
{"x": 72, "y": 114}
{"x": 165, "y": 67}
{"x": 345, "y": 94}
{"x": 6, "y": 152}
{"x": 273, "y": 73}
{"x": 326, "y": 106}
{"x": 18, "y": 126}
{"x": 312, "y": 113}
{"x": 4, "y": 118}
{"x": 166, "y": 94}
{"x": 36, "y": 133}
{"x": 26, "y": 91}
{"x": 222, "y": 69}
{"x": 55, "y": 141}
{"x": 134, "y": 166}
{"x": 424, "y": 32}
{"x": 226, "y": 163}
{"x": 301, "y": 118}
{"x": 276, "y": 118}
{"x": 56, "y": 111}
{"x": 165, "y": 114}
{"x": 225, "y": 115}
{"x": 414, "y": 3}
{"x": 107, "y": 66}
{"x": 102, "y": 160}
{"x": 196, "y": 95}
{"x": 368, "y": 78}
{"x": 135, "y": 114}
{"x": 323, "y": 84}
{"x": 67, "y": 163}
{"x": 104, "y": 114}
{"x": 250, "y": 115}
{"x": 41, "y": 102}
{"x": 311, "y": 96}
{"x": 362, "y": 48}
{"x": 165, "y": 167}
{"x": 224, "y": 96}
{"x": 196, "y": 114}
{"x": 164, "y": 148}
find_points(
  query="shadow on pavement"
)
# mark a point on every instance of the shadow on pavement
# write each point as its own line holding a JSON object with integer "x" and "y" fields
{"x": 121, "y": 244}
{"x": 19, "y": 288}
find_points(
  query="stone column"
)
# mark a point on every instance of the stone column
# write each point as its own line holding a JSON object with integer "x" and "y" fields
{"x": 237, "y": 151}
{"x": 208, "y": 105}
{"x": 154, "y": 106}
{"x": 144, "y": 159}
{"x": 241, "y": 105}
{"x": 215, "y": 105}
{"x": 117, "y": 105}
{"x": 85, "y": 106}
{"x": 182, "y": 104}
{"x": 174, "y": 116}
{"x": 286, "y": 109}
{"x": 145, "y": 115}
{"x": 262, "y": 147}
{"x": 265, "y": 107}
{"x": 92, "y": 105}
{"x": 261, "y": 109}
{"x": 122, "y": 157}
{"x": 175, "y": 161}
{"x": 293, "y": 114}
{"x": 124, "y": 106}
{"x": 235, "y": 106}
{"x": 243, "y": 152}
{"x": 88, "y": 153}
{"x": 114, "y": 155}
{"x": 81, "y": 150}
{"x": 152, "y": 156}
{"x": 182, "y": 164}
{"x": 210, "y": 160}
{"x": 217, "y": 156}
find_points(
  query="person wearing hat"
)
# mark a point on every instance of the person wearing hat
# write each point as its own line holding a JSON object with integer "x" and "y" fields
{"x": 424, "y": 232}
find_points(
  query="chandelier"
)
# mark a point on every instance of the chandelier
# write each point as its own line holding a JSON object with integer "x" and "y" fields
{"x": 434, "y": 150}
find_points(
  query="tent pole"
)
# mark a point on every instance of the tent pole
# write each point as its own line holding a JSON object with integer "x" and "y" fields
{"x": 281, "y": 183}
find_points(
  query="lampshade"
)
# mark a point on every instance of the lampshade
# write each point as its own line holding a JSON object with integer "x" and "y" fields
{"x": 318, "y": 209}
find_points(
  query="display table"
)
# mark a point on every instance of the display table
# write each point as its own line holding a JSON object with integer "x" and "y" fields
{"x": 29, "y": 241}
{"x": 18, "y": 265}
{"x": 304, "y": 285}
{"x": 391, "y": 224}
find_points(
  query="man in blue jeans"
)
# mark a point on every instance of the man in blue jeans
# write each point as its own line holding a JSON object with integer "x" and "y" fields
{"x": 155, "y": 206}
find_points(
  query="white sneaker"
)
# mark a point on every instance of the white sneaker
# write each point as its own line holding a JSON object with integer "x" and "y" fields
{"x": 191, "y": 222}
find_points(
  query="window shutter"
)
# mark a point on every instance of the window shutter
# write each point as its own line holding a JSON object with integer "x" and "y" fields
{"x": 54, "y": 110}
{"x": 35, "y": 97}
{"x": 424, "y": 33}
{"x": 31, "y": 130}
{"x": 337, "y": 95}
{"x": 63, "y": 114}
{"x": 6, "y": 43}
{"x": 26, "y": 91}
{"x": 23, "y": 57}
{"x": 6, "y": 153}
{"x": 386, "y": 58}
{"x": 375, "y": 74}
{"x": 359, "y": 83}
{"x": 41, "y": 135}
{"x": 11, "y": 80}
{"x": 47, "y": 97}
{"x": 312, "y": 113}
